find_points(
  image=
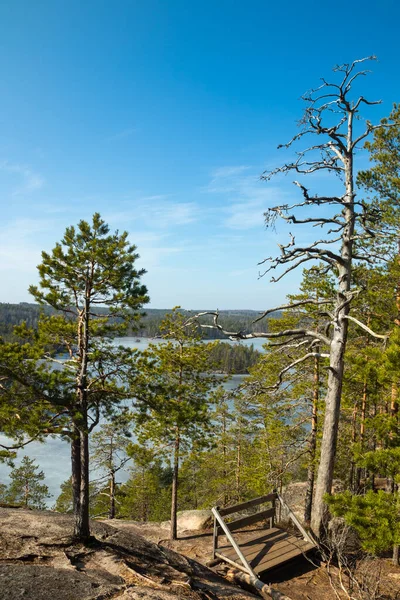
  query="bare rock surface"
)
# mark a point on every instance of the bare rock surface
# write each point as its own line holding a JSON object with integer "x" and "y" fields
{"x": 39, "y": 560}
{"x": 294, "y": 494}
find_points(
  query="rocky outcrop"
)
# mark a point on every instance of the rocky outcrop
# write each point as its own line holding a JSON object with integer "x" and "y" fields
{"x": 294, "y": 494}
{"x": 40, "y": 561}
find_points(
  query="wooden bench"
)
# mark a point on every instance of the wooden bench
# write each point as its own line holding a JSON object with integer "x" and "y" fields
{"x": 257, "y": 550}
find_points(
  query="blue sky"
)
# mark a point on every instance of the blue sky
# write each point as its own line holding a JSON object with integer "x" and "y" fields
{"x": 161, "y": 115}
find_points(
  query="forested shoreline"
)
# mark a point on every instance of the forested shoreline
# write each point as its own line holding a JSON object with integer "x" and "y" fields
{"x": 225, "y": 358}
{"x": 149, "y": 325}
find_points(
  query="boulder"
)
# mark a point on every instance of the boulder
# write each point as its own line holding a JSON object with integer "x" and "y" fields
{"x": 194, "y": 520}
{"x": 294, "y": 494}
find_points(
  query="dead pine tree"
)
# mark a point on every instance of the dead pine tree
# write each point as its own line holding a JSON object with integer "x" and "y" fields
{"x": 332, "y": 129}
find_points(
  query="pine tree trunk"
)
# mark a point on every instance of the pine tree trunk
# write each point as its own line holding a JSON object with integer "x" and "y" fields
{"x": 82, "y": 530}
{"x": 111, "y": 514}
{"x": 76, "y": 469}
{"x": 312, "y": 443}
{"x": 352, "y": 474}
{"x": 143, "y": 497}
{"x": 174, "y": 503}
{"x": 357, "y": 483}
{"x": 337, "y": 349}
{"x": 224, "y": 467}
{"x": 238, "y": 468}
{"x": 395, "y": 556}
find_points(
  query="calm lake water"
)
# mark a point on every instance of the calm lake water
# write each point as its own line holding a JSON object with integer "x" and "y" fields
{"x": 53, "y": 456}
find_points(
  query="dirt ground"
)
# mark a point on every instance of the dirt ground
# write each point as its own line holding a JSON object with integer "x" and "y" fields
{"x": 301, "y": 579}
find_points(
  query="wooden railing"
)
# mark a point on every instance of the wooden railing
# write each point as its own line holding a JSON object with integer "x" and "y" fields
{"x": 307, "y": 536}
{"x": 220, "y": 526}
{"x": 226, "y": 528}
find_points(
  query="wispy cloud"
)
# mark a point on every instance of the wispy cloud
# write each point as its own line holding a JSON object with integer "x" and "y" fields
{"x": 245, "y": 215}
{"x": 21, "y": 242}
{"x": 31, "y": 180}
{"x": 174, "y": 213}
{"x": 229, "y": 171}
{"x": 156, "y": 212}
{"x": 246, "y": 198}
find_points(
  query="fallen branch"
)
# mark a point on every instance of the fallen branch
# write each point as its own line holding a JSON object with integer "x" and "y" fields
{"x": 264, "y": 589}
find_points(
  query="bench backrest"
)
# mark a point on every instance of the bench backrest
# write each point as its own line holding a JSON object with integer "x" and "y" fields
{"x": 251, "y": 519}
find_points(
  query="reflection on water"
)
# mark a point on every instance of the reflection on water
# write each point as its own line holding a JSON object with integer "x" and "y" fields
{"x": 53, "y": 456}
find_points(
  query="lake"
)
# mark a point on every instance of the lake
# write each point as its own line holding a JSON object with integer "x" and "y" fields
{"x": 53, "y": 456}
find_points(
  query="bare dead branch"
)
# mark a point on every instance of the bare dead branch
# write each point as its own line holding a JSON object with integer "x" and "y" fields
{"x": 291, "y": 305}
{"x": 368, "y": 329}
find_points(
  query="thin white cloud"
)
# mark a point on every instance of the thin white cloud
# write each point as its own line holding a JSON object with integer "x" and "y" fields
{"x": 169, "y": 214}
{"x": 21, "y": 243}
{"x": 156, "y": 212}
{"x": 32, "y": 180}
{"x": 246, "y": 198}
{"x": 245, "y": 215}
{"x": 222, "y": 172}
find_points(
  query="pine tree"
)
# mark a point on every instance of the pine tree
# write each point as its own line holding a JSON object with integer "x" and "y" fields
{"x": 375, "y": 516}
{"x": 180, "y": 373}
{"x": 89, "y": 270}
{"x": 26, "y": 487}
{"x": 109, "y": 447}
{"x": 146, "y": 496}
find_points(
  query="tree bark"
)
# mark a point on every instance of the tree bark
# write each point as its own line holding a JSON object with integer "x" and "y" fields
{"x": 175, "y": 473}
{"x": 312, "y": 443}
{"x": 76, "y": 469}
{"x": 337, "y": 349}
{"x": 357, "y": 483}
{"x": 224, "y": 468}
{"x": 352, "y": 474}
{"x": 82, "y": 529}
{"x": 238, "y": 468}
{"x": 111, "y": 513}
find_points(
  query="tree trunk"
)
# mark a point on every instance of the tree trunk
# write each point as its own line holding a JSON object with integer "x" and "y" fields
{"x": 353, "y": 470}
{"x": 357, "y": 483}
{"x": 238, "y": 468}
{"x": 174, "y": 503}
{"x": 76, "y": 469}
{"x": 224, "y": 468}
{"x": 337, "y": 348}
{"x": 395, "y": 557}
{"x": 82, "y": 529}
{"x": 264, "y": 589}
{"x": 312, "y": 443}
{"x": 111, "y": 514}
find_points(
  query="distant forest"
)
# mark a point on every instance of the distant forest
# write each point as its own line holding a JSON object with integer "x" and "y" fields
{"x": 149, "y": 326}
{"x": 227, "y": 358}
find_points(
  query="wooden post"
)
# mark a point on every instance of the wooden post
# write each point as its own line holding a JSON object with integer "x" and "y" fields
{"x": 272, "y": 519}
{"x": 215, "y": 535}
{"x": 230, "y": 539}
